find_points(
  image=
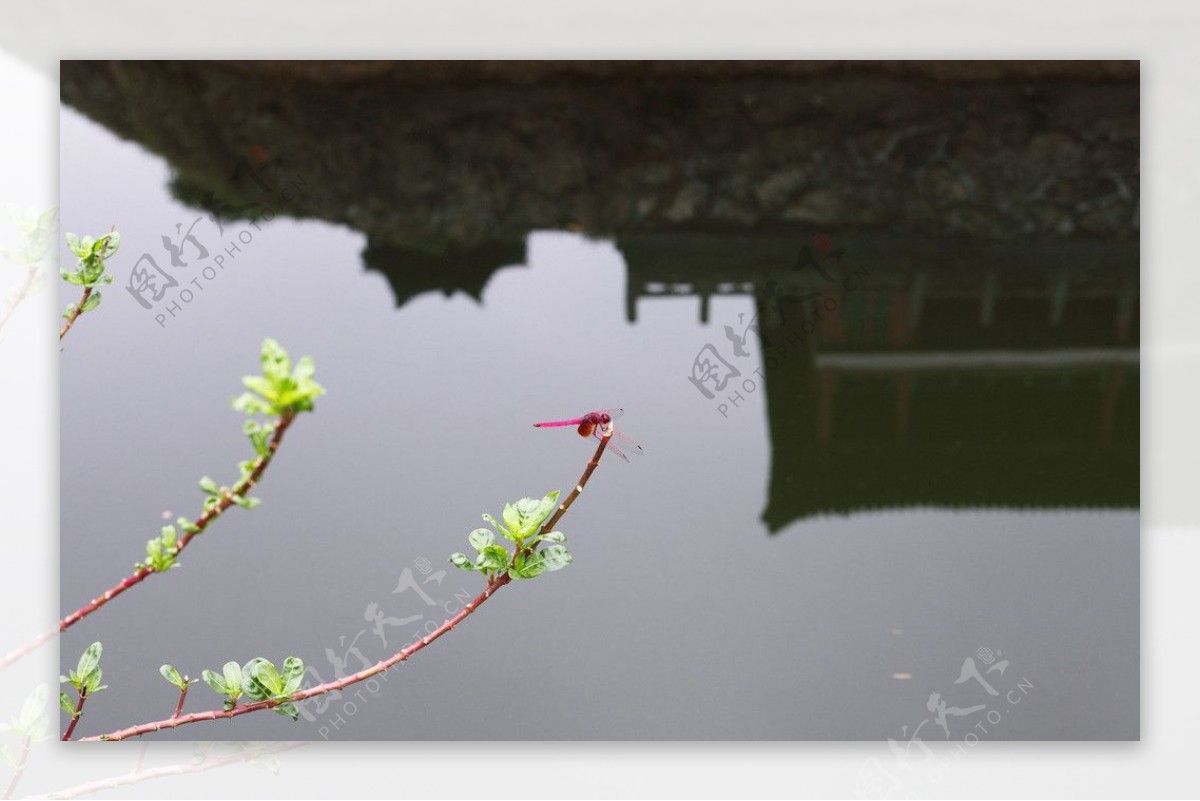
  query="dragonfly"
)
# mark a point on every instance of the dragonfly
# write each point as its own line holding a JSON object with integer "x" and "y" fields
{"x": 597, "y": 424}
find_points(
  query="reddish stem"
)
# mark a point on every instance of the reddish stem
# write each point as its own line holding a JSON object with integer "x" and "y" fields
{"x": 583, "y": 480}
{"x": 241, "y": 488}
{"x": 320, "y": 689}
{"x": 28, "y": 648}
{"x": 78, "y": 714}
{"x": 182, "y": 697}
{"x": 91, "y": 788}
{"x": 20, "y": 769}
{"x": 87, "y": 291}
{"x": 362, "y": 675}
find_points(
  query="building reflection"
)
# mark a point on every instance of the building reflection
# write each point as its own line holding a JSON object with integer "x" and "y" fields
{"x": 948, "y": 374}
{"x": 989, "y": 357}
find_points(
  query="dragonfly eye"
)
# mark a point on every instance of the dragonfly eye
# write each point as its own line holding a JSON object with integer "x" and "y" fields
{"x": 604, "y": 418}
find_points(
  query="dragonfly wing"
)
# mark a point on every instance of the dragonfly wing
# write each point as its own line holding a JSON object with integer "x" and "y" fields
{"x": 613, "y": 414}
{"x": 612, "y": 445}
{"x": 628, "y": 444}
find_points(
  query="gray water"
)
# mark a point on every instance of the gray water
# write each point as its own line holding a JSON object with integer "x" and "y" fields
{"x": 689, "y": 613}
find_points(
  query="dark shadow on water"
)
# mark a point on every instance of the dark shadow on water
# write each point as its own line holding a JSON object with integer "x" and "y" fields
{"x": 986, "y": 354}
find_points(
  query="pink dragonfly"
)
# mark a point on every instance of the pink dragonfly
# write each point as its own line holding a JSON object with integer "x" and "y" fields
{"x": 597, "y": 424}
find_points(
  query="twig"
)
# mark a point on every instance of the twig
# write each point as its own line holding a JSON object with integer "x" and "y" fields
{"x": 78, "y": 714}
{"x": 26, "y": 744}
{"x": 28, "y": 647}
{"x": 243, "y": 487}
{"x": 587, "y": 473}
{"x": 182, "y": 769}
{"x": 22, "y": 293}
{"x": 548, "y": 526}
{"x": 362, "y": 675}
{"x": 182, "y": 697}
{"x": 74, "y": 315}
{"x": 141, "y": 760}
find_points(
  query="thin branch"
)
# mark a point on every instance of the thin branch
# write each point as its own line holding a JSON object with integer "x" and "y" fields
{"x": 362, "y": 675}
{"x": 26, "y": 744}
{"x": 74, "y": 315}
{"x": 21, "y": 294}
{"x": 320, "y": 689}
{"x": 28, "y": 647}
{"x": 548, "y": 526}
{"x": 182, "y": 769}
{"x": 242, "y": 488}
{"x": 587, "y": 473}
{"x": 78, "y": 714}
{"x": 182, "y": 697}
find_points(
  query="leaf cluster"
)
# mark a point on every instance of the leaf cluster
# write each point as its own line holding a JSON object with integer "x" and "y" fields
{"x": 258, "y": 680}
{"x": 85, "y": 677}
{"x": 521, "y": 521}
{"x": 89, "y": 272}
{"x": 281, "y": 389}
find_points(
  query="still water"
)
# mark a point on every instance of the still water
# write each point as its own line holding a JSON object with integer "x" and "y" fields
{"x": 937, "y": 475}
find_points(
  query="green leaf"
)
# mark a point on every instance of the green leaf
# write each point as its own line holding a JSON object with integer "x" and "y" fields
{"x": 215, "y": 681}
{"x": 209, "y": 486}
{"x": 92, "y": 302}
{"x": 187, "y": 525}
{"x": 74, "y": 246}
{"x": 260, "y": 385}
{"x": 276, "y": 365}
{"x": 500, "y": 527}
{"x": 92, "y": 681}
{"x": 461, "y": 561}
{"x": 109, "y": 243}
{"x": 554, "y": 536}
{"x": 90, "y": 659}
{"x": 524, "y": 517}
{"x": 481, "y": 538}
{"x": 293, "y": 674}
{"x": 550, "y": 558}
{"x": 249, "y": 403}
{"x": 527, "y": 570}
{"x": 233, "y": 678}
{"x": 259, "y": 435}
{"x": 172, "y": 675}
{"x": 72, "y": 278}
{"x": 65, "y": 704}
{"x": 305, "y": 368}
{"x": 555, "y": 557}
{"x": 261, "y": 679}
{"x": 288, "y": 709}
{"x": 546, "y": 506}
{"x": 30, "y": 722}
{"x": 512, "y": 520}
{"x": 493, "y": 557}
{"x": 246, "y": 503}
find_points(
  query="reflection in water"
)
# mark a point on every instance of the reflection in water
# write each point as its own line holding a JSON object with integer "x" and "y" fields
{"x": 980, "y": 351}
{"x": 951, "y": 378}
{"x": 986, "y": 358}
